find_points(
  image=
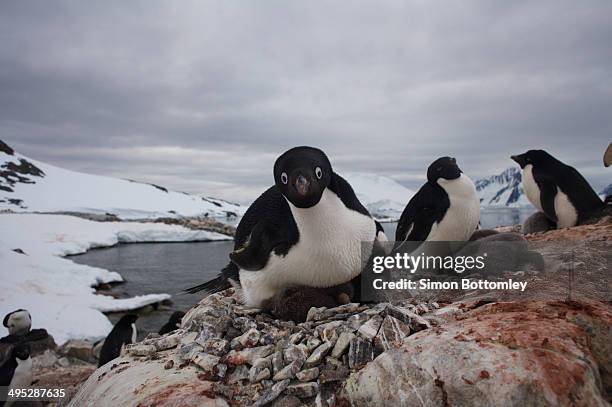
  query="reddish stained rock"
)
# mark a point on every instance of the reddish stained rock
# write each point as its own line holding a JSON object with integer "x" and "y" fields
{"x": 524, "y": 353}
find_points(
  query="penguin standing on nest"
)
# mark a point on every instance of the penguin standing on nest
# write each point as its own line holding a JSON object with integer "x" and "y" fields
{"x": 446, "y": 208}
{"x": 123, "y": 333}
{"x": 557, "y": 189}
{"x": 304, "y": 231}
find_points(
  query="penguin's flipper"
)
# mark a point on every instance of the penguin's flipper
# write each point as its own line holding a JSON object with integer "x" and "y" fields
{"x": 424, "y": 209}
{"x": 254, "y": 254}
{"x": 548, "y": 191}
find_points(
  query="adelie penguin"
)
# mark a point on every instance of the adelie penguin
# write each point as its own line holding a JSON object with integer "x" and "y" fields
{"x": 123, "y": 333}
{"x": 16, "y": 372}
{"x": 446, "y": 208}
{"x": 306, "y": 230}
{"x": 18, "y": 322}
{"x": 173, "y": 323}
{"x": 557, "y": 189}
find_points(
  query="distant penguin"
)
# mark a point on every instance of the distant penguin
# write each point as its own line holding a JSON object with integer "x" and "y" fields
{"x": 446, "y": 208}
{"x": 557, "y": 189}
{"x": 123, "y": 333}
{"x": 173, "y": 323}
{"x": 18, "y": 322}
{"x": 16, "y": 372}
{"x": 306, "y": 230}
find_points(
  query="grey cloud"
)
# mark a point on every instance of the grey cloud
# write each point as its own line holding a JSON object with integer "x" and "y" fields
{"x": 201, "y": 96}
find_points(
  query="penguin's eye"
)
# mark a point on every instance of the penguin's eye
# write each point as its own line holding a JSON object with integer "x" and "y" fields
{"x": 284, "y": 178}
{"x": 318, "y": 172}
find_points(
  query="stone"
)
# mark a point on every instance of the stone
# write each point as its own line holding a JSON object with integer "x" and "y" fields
{"x": 78, "y": 349}
{"x": 169, "y": 364}
{"x": 287, "y": 401}
{"x": 391, "y": 334}
{"x": 303, "y": 390}
{"x": 308, "y": 375}
{"x": 221, "y": 370}
{"x": 414, "y": 321}
{"x": 247, "y": 340}
{"x": 277, "y": 361}
{"x": 315, "y": 314}
{"x": 215, "y": 346}
{"x": 329, "y": 331}
{"x": 272, "y": 394}
{"x": 257, "y": 374}
{"x": 205, "y": 361}
{"x": 370, "y": 328}
{"x": 167, "y": 342}
{"x": 329, "y": 374}
{"x": 312, "y": 343}
{"x": 240, "y": 373}
{"x": 295, "y": 352}
{"x": 318, "y": 354}
{"x": 186, "y": 352}
{"x": 289, "y": 371}
{"x": 189, "y": 338}
{"x": 248, "y": 355}
{"x": 357, "y": 320}
{"x": 296, "y": 338}
{"x": 342, "y": 344}
{"x": 326, "y": 396}
{"x": 137, "y": 349}
{"x": 361, "y": 352}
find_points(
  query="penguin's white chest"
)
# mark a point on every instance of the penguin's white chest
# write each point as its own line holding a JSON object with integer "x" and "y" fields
{"x": 462, "y": 216}
{"x": 532, "y": 191}
{"x": 22, "y": 377}
{"x": 567, "y": 215}
{"x": 328, "y": 251}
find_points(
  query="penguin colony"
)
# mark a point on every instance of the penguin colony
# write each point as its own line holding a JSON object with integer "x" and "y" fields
{"x": 299, "y": 243}
{"x": 302, "y": 234}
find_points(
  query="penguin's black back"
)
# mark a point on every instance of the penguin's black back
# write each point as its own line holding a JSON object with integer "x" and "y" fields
{"x": 426, "y": 207}
{"x": 345, "y": 192}
{"x": 572, "y": 183}
{"x": 120, "y": 335}
{"x": 7, "y": 370}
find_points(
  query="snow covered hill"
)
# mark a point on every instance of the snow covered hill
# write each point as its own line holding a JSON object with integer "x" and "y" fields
{"x": 502, "y": 190}
{"x": 29, "y": 185}
{"x": 384, "y": 197}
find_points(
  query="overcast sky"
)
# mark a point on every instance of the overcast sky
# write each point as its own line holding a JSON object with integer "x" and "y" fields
{"x": 203, "y": 96}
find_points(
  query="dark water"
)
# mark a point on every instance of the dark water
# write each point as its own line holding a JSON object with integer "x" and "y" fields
{"x": 172, "y": 267}
{"x": 160, "y": 268}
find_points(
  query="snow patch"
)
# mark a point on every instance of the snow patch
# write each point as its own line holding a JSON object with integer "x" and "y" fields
{"x": 58, "y": 292}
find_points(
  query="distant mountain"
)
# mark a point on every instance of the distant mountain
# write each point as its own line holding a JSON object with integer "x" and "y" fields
{"x": 384, "y": 197}
{"x": 502, "y": 190}
{"x": 30, "y": 185}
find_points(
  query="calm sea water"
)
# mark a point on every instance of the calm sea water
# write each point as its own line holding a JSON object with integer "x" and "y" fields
{"x": 172, "y": 267}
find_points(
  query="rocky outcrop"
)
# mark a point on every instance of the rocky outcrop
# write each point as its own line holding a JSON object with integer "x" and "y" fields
{"x": 527, "y": 353}
{"x": 549, "y": 346}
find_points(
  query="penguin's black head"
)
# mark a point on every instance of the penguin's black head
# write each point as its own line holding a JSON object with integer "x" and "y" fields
{"x": 533, "y": 157}
{"x": 445, "y": 168}
{"x": 21, "y": 351}
{"x": 128, "y": 319}
{"x": 175, "y": 318}
{"x": 302, "y": 174}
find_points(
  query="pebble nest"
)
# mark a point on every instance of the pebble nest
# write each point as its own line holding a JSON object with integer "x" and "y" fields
{"x": 255, "y": 359}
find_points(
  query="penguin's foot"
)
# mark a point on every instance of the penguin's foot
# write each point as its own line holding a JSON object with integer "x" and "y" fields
{"x": 295, "y": 302}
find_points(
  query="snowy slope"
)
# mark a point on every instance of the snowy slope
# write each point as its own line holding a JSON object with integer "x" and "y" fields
{"x": 384, "y": 197}
{"x": 57, "y": 291}
{"x": 29, "y": 185}
{"x": 502, "y": 190}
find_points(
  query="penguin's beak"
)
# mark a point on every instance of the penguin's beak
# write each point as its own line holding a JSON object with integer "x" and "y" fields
{"x": 518, "y": 159}
{"x": 302, "y": 185}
